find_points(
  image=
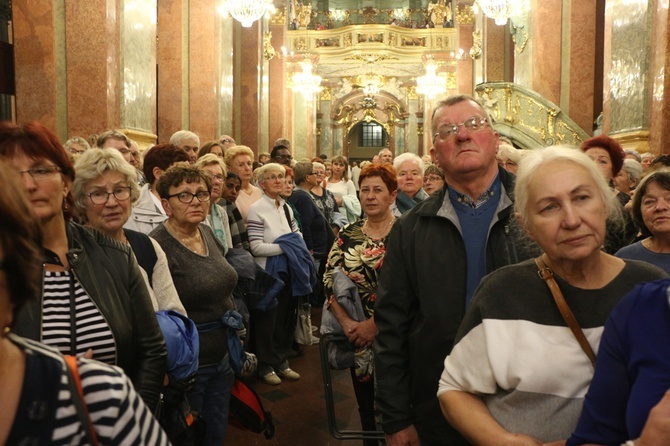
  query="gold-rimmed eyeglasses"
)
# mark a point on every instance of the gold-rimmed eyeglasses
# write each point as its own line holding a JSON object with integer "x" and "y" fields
{"x": 473, "y": 125}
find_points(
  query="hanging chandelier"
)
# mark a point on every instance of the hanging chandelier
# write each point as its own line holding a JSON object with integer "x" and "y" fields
{"x": 499, "y": 10}
{"x": 431, "y": 84}
{"x": 305, "y": 81}
{"x": 247, "y": 11}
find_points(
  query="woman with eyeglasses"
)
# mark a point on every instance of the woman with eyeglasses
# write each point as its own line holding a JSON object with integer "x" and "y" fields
{"x": 217, "y": 218}
{"x": 272, "y": 232}
{"x": 240, "y": 160}
{"x": 509, "y": 157}
{"x": 205, "y": 281}
{"x": 433, "y": 179}
{"x": 104, "y": 191}
{"x": 94, "y": 301}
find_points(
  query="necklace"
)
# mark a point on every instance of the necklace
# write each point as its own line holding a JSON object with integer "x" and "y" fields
{"x": 378, "y": 232}
{"x": 192, "y": 242}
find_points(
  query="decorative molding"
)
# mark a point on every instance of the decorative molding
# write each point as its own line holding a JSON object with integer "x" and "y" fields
{"x": 638, "y": 140}
{"x": 278, "y": 18}
{"x": 326, "y": 94}
{"x": 143, "y": 139}
{"x": 411, "y": 93}
{"x": 465, "y": 15}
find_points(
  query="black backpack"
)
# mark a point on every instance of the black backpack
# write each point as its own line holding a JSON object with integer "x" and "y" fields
{"x": 247, "y": 412}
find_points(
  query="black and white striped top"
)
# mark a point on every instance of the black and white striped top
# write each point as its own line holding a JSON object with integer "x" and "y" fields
{"x": 88, "y": 327}
{"x": 117, "y": 413}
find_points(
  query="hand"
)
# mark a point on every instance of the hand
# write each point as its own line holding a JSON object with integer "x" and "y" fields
{"x": 656, "y": 430}
{"x": 88, "y": 354}
{"x": 363, "y": 333}
{"x": 405, "y": 437}
{"x": 521, "y": 440}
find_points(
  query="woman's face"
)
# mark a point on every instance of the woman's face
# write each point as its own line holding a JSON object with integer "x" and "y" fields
{"x": 507, "y": 164}
{"x": 217, "y": 150}
{"x": 192, "y": 212}
{"x": 329, "y": 170}
{"x": 243, "y": 166}
{"x": 623, "y": 182}
{"x": 375, "y": 197}
{"x": 273, "y": 184}
{"x": 410, "y": 178}
{"x": 110, "y": 216}
{"x": 432, "y": 182}
{"x": 655, "y": 207}
{"x": 45, "y": 186}
{"x": 320, "y": 174}
{"x": 565, "y": 212}
{"x": 338, "y": 169}
{"x": 216, "y": 173}
{"x": 603, "y": 160}
{"x": 646, "y": 162}
{"x": 231, "y": 189}
{"x": 288, "y": 187}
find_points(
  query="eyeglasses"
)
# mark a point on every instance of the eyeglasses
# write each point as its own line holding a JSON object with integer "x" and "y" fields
{"x": 431, "y": 178}
{"x": 217, "y": 176}
{"x": 41, "y": 173}
{"x": 472, "y": 125}
{"x": 74, "y": 151}
{"x": 121, "y": 193}
{"x": 187, "y": 197}
{"x": 274, "y": 177}
{"x": 506, "y": 163}
{"x": 283, "y": 157}
{"x": 311, "y": 173}
{"x": 319, "y": 173}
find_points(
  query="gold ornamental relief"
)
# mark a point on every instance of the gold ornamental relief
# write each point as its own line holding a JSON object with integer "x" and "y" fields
{"x": 326, "y": 94}
{"x": 278, "y": 18}
{"x": 465, "y": 15}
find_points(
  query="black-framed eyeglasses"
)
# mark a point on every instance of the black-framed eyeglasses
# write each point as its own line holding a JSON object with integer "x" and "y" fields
{"x": 121, "y": 193}
{"x": 41, "y": 173}
{"x": 473, "y": 125}
{"x": 187, "y": 197}
{"x": 431, "y": 178}
{"x": 283, "y": 157}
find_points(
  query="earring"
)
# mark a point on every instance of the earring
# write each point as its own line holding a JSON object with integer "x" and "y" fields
{"x": 5, "y": 330}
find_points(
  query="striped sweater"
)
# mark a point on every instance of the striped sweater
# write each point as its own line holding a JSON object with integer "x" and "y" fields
{"x": 514, "y": 350}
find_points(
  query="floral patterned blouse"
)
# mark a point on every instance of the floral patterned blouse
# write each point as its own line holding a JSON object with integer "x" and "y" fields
{"x": 326, "y": 204}
{"x": 361, "y": 258}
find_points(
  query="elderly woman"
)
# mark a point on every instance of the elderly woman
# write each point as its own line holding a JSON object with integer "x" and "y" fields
{"x": 516, "y": 372}
{"x": 92, "y": 289}
{"x": 268, "y": 223}
{"x": 646, "y": 159}
{"x": 148, "y": 212}
{"x": 359, "y": 252}
{"x": 240, "y": 160}
{"x": 313, "y": 222}
{"x": 409, "y": 168}
{"x": 433, "y": 179}
{"x": 205, "y": 281}
{"x": 76, "y": 146}
{"x": 214, "y": 147}
{"x": 628, "y": 177}
{"x": 509, "y": 157}
{"x": 651, "y": 212}
{"x": 217, "y": 219}
{"x": 103, "y": 191}
{"x": 36, "y": 374}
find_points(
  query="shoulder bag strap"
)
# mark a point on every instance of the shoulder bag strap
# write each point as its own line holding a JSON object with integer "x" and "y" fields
{"x": 77, "y": 392}
{"x": 547, "y": 275}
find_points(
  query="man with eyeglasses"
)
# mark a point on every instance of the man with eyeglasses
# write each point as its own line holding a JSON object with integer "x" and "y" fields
{"x": 436, "y": 256}
{"x": 281, "y": 155}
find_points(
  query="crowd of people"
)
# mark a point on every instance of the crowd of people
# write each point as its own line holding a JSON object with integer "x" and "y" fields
{"x": 488, "y": 295}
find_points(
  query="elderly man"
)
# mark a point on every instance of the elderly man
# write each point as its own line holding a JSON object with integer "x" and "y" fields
{"x": 385, "y": 156}
{"x": 436, "y": 255}
{"x": 226, "y": 141}
{"x": 188, "y": 142}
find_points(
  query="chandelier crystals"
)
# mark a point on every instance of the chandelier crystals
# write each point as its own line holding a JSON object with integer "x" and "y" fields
{"x": 431, "y": 84}
{"x": 246, "y": 11}
{"x": 500, "y": 10}
{"x": 305, "y": 81}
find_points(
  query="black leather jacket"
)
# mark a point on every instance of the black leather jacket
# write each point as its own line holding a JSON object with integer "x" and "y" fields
{"x": 420, "y": 305}
{"x": 109, "y": 273}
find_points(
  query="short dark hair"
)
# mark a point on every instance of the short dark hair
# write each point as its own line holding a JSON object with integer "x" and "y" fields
{"x": 233, "y": 176}
{"x": 660, "y": 177}
{"x": 34, "y": 140}
{"x": 161, "y": 156}
{"x": 302, "y": 169}
{"x": 20, "y": 240}
{"x": 112, "y": 134}
{"x": 275, "y": 149}
{"x": 179, "y": 173}
{"x": 611, "y": 146}
{"x": 384, "y": 171}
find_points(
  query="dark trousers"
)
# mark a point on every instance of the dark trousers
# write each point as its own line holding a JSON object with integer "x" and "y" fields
{"x": 272, "y": 332}
{"x": 365, "y": 397}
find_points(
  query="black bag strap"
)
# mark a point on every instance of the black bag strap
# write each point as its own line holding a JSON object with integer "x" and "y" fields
{"x": 288, "y": 215}
{"x": 547, "y": 275}
{"x": 144, "y": 251}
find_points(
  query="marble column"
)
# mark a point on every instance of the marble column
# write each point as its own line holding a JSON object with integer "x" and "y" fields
{"x": 247, "y": 95}
{"x": 279, "y": 112}
{"x": 326, "y": 137}
{"x": 495, "y": 38}
{"x": 659, "y": 110}
{"x": 465, "y": 20}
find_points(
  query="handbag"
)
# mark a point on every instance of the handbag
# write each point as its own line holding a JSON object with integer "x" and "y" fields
{"x": 547, "y": 275}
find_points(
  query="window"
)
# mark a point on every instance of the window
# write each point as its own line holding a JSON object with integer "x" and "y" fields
{"x": 372, "y": 135}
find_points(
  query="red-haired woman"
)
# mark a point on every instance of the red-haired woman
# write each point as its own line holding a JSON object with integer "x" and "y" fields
{"x": 93, "y": 299}
{"x": 358, "y": 252}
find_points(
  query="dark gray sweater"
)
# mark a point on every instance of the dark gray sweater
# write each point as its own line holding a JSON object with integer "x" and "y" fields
{"x": 205, "y": 285}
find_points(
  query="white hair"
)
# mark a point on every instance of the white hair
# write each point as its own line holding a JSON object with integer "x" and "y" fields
{"x": 178, "y": 137}
{"x": 400, "y": 159}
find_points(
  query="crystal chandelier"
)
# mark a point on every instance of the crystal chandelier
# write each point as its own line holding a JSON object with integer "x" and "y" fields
{"x": 499, "y": 10}
{"x": 246, "y": 11}
{"x": 431, "y": 84}
{"x": 305, "y": 81}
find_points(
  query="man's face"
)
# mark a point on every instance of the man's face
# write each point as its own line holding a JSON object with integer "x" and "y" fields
{"x": 283, "y": 156}
{"x": 386, "y": 157}
{"x": 119, "y": 145}
{"x": 190, "y": 146}
{"x": 468, "y": 150}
